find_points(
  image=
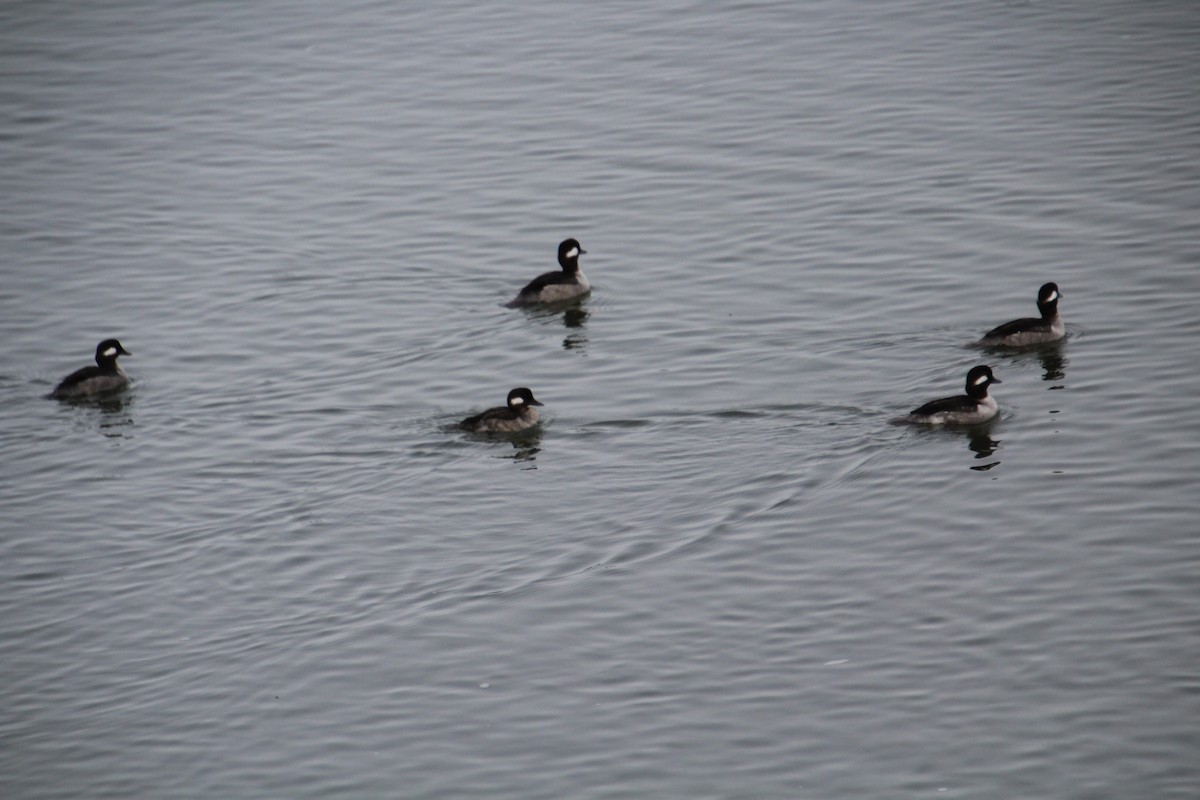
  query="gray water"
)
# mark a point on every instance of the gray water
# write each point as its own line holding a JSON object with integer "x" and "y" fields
{"x": 716, "y": 570}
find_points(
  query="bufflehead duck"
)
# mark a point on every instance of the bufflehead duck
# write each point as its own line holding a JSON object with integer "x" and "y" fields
{"x": 965, "y": 409}
{"x": 518, "y": 415}
{"x": 1031, "y": 330}
{"x": 553, "y": 287}
{"x": 106, "y": 376}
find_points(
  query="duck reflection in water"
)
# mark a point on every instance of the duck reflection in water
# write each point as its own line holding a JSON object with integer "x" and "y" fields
{"x": 110, "y": 415}
{"x": 527, "y": 445}
{"x": 1054, "y": 363}
{"x": 573, "y": 315}
{"x": 1049, "y": 355}
{"x": 574, "y": 318}
{"x": 981, "y": 443}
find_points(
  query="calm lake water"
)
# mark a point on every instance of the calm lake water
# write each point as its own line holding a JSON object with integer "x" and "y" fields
{"x": 716, "y": 570}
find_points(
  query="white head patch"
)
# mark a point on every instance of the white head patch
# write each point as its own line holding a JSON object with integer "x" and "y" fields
{"x": 574, "y": 251}
{"x": 1050, "y": 298}
{"x": 109, "y": 352}
{"x": 518, "y": 401}
{"x": 980, "y": 380}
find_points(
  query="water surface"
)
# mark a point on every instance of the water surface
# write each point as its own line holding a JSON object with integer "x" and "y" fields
{"x": 715, "y": 570}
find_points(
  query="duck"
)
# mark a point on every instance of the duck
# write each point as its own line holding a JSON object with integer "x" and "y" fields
{"x": 517, "y": 415}
{"x": 554, "y": 287}
{"x": 1031, "y": 330}
{"x": 972, "y": 408}
{"x": 104, "y": 378}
